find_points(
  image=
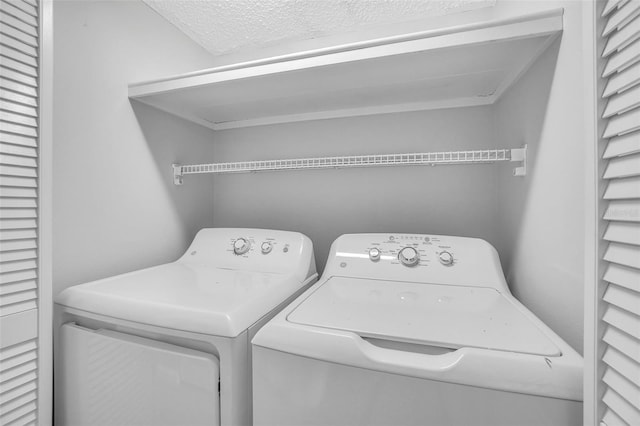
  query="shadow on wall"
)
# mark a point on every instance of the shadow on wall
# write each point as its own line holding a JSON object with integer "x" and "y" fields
{"x": 520, "y": 119}
{"x": 173, "y": 140}
{"x": 542, "y": 215}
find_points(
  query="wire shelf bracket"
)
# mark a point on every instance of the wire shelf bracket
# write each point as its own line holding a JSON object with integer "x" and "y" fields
{"x": 486, "y": 156}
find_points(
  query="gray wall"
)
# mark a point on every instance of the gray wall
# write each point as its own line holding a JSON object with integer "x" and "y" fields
{"x": 115, "y": 208}
{"x": 536, "y": 222}
{"x": 324, "y": 204}
{"x": 544, "y": 214}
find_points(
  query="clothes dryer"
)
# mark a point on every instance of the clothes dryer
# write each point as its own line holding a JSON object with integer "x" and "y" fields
{"x": 413, "y": 330}
{"x": 170, "y": 345}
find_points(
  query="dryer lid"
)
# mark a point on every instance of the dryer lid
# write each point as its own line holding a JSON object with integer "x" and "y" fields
{"x": 431, "y": 314}
{"x": 185, "y": 297}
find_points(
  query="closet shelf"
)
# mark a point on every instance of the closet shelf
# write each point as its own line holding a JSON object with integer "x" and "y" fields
{"x": 421, "y": 158}
{"x": 457, "y": 66}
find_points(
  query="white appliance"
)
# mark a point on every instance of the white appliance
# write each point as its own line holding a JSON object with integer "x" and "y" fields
{"x": 412, "y": 330}
{"x": 170, "y": 345}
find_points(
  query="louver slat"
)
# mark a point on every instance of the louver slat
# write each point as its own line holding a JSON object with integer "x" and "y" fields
{"x": 622, "y": 17}
{"x": 17, "y": 76}
{"x": 26, "y": 7}
{"x": 623, "y": 38}
{"x": 22, "y": 89}
{"x": 17, "y": 160}
{"x": 15, "y": 213}
{"x": 6, "y": 279}
{"x": 624, "y": 188}
{"x": 622, "y": 80}
{"x": 626, "y": 210}
{"x": 623, "y": 254}
{"x": 18, "y": 98}
{"x": 33, "y": 3}
{"x": 623, "y": 321}
{"x": 7, "y": 52}
{"x": 18, "y": 45}
{"x": 612, "y": 5}
{"x": 622, "y": 386}
{"x": 623, "y": 276}
{"x": 16, "y": 34}
{"x": 17, "y": 108}
{"x": 10, "y": 138}
{"x": 18, "y": 24}
{"x": 626, "y": 166}
{"x": 618, "y": 404}
{"x": 624, "y": 123}
{"x": 18, "y": 255}
{"x": 623, "y": 343}
{"x": 28, "y": 172}
{"x": 622, "y": 364}
{"x": 18, "y": 150}
{"x": 623, "y": 102}
{"x": 19, "y": 203}
{"x": 13, "y": 417}
{"x": 622, "y": 59}
{"x": 622, "y": 297}
{"x": 17, "y": 287}
{"x": 19, "y": 67}
{"x": 10, "y": 9}
{"x": 612, "y": 419}
{"x": 620, "y": 232}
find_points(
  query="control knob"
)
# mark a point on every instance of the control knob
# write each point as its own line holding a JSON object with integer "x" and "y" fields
{"x": 409, "y": 256}
{"x": 241, "y": 246}
{"x": 266, "y": 247}
{"x": 446, "y": 258}
{"x": 374, "y": 254}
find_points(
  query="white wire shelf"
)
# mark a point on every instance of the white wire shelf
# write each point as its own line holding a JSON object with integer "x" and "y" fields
{"x": 418, "y": 158}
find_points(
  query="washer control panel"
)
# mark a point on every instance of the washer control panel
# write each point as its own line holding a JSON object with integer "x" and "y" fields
{"x": 415, "y": 257}
{"x": 411, "y": 250}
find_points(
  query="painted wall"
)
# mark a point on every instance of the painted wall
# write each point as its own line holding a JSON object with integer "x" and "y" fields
{"x": 115, "y": 208}
{"x": 543, "y": 214}
{"x": 536, "y": 222}
{"x": 323, "y": 204}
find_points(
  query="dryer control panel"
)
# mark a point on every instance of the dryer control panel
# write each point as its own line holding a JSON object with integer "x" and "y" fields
{"x": 418, "y": 258}
{"x": 248, "y": 249}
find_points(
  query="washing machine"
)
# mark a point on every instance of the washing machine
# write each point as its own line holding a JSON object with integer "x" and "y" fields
{"x": 170, "y": 345}
{"x": 413, "y": 330}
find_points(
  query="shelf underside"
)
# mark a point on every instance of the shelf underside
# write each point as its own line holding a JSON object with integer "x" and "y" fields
{"x": 464, "y": 68}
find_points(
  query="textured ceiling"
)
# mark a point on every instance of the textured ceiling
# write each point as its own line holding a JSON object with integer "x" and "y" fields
{"x": 225, "y": 26}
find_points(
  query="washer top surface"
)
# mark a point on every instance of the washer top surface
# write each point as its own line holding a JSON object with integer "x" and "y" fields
{"x": 422, "y": 313}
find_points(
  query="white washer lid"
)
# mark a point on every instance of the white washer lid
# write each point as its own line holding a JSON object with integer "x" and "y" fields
{"x": 213, "y": 301}
{"x": 439, "y": 315}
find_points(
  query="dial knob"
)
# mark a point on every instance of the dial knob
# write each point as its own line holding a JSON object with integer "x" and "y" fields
{"x": 241, "y": 246}
{"x": 374, "y": 254}
{"x": 266, "y": 247}
{"x": 409, "y": 256}
{"x": 446, "y": 258}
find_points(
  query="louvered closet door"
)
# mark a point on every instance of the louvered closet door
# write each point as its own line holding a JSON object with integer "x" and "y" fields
{"x": 620, "y": 385}
{"x": 19, "y": 24}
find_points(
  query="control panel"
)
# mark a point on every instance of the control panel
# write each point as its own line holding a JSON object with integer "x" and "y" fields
{"x": 416, "y": 257}
{"x": 255, "y": 245}
{"x": 251, "y": 249}
{"x": 411, "y": 250}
